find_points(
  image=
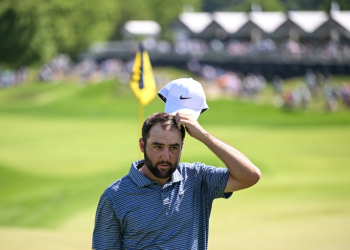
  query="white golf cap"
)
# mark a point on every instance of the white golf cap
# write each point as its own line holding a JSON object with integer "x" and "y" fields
{"x": 184, "y": 94}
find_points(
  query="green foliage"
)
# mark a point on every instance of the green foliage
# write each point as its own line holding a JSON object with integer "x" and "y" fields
{"x": 35, "y": 31}
{"x": 160, "y": 11}
{"x": 272, "y": 5}
{"x": 324, "y": 5}
{"x": 241, "y": 5}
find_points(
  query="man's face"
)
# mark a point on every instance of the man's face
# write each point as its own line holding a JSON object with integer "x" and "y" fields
{"x": 163, "y": 151}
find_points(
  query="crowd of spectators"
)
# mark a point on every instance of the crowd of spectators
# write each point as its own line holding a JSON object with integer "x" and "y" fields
{"x": 317, "y": 50}
{"x": 86, "y": 71}
{"x": 234, "y": 84}
{"x": 315, "y": 87}
{"x": 249, "y": 87}
{"x": 10, "y": 78}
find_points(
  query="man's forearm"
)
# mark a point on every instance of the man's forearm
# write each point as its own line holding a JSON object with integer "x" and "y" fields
{"x": 243, "y": 173}
{"x": 239, "y": 166}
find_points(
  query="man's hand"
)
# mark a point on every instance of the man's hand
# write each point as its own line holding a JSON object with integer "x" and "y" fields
{"x": 193, "y": 128}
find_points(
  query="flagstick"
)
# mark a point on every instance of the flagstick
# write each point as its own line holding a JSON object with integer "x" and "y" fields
{"x": 140, "y": 125}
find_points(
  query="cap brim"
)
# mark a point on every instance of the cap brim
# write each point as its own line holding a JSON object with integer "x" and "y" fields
{"x": 172, "y": 108}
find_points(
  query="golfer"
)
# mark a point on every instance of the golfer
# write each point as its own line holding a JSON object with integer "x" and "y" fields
{"x": 164, "y": 204}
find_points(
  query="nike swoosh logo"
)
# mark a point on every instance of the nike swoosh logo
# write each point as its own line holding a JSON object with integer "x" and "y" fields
{"x": 182, "y": 191}
{"x": 183, "y": 98}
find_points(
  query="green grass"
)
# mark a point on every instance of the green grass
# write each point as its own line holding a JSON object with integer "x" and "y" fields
{"x": 62, "y": 145}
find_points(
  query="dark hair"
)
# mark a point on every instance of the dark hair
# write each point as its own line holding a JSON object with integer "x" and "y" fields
{"x": 166, "y": 120}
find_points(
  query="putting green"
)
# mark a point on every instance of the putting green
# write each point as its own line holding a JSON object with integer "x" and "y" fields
{"x": 58, "y": 155}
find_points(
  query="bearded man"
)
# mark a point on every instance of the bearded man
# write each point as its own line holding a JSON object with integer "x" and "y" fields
{"x": 164, "y": 204}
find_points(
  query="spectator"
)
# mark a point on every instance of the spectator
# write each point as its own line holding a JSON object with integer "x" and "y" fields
{"x": 345, "y": 92}
{"x": 277, "y": 85}
{"x": 305, "y": 96}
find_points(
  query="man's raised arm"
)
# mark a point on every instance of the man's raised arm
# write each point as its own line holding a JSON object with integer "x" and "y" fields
{"x": 243, "y": 173}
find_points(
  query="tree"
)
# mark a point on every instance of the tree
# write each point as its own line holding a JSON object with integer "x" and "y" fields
{"x": 241, "y": 5}
{"x": 35, "y": 31}
{"x": 160, "y": 11}
{"x": 324, "y": 5}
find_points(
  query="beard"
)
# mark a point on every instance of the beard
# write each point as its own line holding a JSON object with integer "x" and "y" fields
{"x": 159, "y": 173}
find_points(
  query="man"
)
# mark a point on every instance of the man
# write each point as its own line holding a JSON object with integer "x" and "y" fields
{"x": 162, "y": 204}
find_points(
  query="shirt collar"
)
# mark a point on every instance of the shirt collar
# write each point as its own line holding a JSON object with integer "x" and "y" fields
{"x": 141, "y": 180}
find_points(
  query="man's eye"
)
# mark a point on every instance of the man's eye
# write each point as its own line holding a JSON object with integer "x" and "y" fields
{"x": 157, "y": 147}
{"x": 173, "y": 148}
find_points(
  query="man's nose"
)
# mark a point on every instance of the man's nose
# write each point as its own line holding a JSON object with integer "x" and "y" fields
{"x": 165, "y": 154}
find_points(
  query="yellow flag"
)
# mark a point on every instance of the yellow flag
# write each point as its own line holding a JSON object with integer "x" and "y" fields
{"x": 142, "y": 80}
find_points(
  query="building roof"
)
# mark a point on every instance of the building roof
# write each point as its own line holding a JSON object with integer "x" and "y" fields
{"x": 309, "y": 21}
{"x": 195, "y": 22}
{"x": 268, "y": 21}
{"x": 342, "y": 17}
{"x": 231, "y": 22}
{"x": 146, "y": 27}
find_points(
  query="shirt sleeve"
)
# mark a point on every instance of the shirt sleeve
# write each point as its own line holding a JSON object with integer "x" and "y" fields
{"x": 106, "y": 234}
{"x": 214, "y": 181}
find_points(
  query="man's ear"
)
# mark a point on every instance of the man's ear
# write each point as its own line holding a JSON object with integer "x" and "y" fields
{"x": 142, "y": 145}
{"x": 183, "y": 144}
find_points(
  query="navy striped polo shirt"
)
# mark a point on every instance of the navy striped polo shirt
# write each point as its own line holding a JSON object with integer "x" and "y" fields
{"x": 137, "y": 213}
